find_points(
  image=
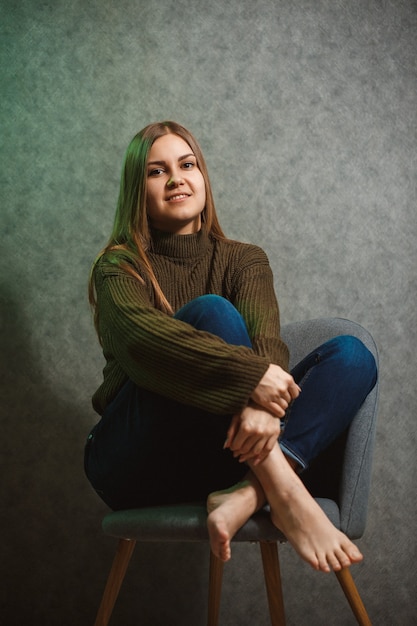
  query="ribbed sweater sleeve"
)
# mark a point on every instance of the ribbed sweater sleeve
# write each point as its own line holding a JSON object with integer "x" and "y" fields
{"x": 165, "y": 355}
{"x": 254, "y": 296}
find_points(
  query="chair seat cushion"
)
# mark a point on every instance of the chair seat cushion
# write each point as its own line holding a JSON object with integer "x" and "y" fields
{"x": 188, "y": 522}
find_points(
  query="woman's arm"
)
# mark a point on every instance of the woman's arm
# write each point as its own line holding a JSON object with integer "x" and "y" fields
{"x": 252, "y": 434}
{"x": 165, "y": 355}
{"x": 254, "y": 430}
{"x": 253, "y": 294}
{"x": 275, "y": 391}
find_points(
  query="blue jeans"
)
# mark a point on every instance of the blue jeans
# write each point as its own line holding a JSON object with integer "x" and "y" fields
{"x": 149, "y": 450}
{"x": 335, "y": 379}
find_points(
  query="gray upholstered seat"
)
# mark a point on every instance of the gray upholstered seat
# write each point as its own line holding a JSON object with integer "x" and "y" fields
{"x": 346, "y": 506}
{"x": 187, "y": 522}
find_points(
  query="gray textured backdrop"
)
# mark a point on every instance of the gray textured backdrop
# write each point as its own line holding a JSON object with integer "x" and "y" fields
{"x": 307, "y": 113}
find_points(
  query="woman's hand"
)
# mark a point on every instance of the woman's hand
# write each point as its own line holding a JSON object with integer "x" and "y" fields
{"x": 252, "y": 434}
{"x": 275, "y": 391}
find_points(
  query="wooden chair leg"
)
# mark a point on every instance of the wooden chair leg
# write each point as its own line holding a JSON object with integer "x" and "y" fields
{"x": 114, "y": 582}
{"x": 352, "y": 594}
{"x": 215, "y": 590}
{"x": 272, "y": 573}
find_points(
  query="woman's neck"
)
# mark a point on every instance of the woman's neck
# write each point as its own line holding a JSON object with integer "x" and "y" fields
{"x": 179, "y": 246}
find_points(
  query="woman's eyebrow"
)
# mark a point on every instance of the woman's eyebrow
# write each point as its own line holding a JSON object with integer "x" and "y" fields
{"x": 181, "y": 158}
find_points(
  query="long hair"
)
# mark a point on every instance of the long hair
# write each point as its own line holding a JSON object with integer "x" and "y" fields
{"x": 130, "y": 238}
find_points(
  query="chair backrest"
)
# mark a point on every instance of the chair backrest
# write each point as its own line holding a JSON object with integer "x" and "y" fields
{"x": 356, "y": 449}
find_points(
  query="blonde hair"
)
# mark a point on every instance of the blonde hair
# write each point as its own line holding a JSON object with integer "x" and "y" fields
{"x": 130, "y": 237}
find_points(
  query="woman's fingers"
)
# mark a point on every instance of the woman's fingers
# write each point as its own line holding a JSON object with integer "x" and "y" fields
{"x": 294, "y": 390}
{"x": 277, "y": 387}
{"x": 257, "y": 432}
{"x": 289, "y": 393}
{"x": 258, "y": 452}
{"x": 232, "y": 431}
{"x": 276, "y": 410}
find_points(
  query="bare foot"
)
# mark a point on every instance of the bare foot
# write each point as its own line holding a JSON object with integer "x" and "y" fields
{"x": 300, "y": 518}
{"x": 228, "y": 510}
{"x": 312, "y": 534}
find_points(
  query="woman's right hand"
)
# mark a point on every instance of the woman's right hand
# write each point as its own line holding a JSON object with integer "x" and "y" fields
{"x": 276, "y": 390}
{"x": 252, "y": 434}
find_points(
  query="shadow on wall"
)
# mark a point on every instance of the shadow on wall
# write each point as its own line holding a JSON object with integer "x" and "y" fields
{"x": 54, "y": 553}
{"x": 44, "y": 491}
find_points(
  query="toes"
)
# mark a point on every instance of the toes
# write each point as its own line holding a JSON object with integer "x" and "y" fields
{"x": 223, "y": 551}
{"x": 323, "y": 564}
{"x": 355, "y": 555}
{"x": 338, "y": 558}
{"x": 344, "y": 557}
{"x": 226, "y": 553}
{"x": 318, "y": 562}
{"x": 338, "y": 561}
{"x": 349, "y": 554}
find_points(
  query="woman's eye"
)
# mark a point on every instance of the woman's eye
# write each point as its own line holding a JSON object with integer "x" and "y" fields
{"x": 188, "y": 165}
{"x": 155, "y": 172}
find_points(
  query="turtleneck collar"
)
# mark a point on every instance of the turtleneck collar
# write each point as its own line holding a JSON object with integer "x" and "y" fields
{"x": 180, "y": 246}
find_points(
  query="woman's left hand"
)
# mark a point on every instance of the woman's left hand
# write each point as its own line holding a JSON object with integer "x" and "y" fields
{"x": 252, "y": 434}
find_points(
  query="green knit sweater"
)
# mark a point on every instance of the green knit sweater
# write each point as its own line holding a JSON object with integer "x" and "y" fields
{"x": 170, "y": 357}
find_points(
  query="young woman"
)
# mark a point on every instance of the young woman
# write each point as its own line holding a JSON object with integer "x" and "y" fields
{"x": 196, "y": 400}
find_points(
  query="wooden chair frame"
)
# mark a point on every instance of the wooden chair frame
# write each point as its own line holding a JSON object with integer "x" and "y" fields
{"x": 347, "y": 511}
{"x": 272, "y": 574}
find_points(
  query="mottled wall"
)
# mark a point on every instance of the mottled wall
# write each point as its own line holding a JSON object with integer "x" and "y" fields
{"x": 307, "y": 113}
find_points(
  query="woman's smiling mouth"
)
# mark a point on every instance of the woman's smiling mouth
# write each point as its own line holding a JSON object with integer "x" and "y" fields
{"x": 177, "y": 197}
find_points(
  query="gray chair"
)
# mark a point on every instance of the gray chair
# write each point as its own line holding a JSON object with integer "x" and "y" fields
{"x": 344, "y": 499}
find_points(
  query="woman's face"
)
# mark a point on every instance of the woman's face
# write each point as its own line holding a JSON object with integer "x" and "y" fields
{"x": 176, "y": 194}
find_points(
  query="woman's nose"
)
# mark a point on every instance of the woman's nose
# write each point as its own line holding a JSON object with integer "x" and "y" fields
{"x": 175, "y": 179}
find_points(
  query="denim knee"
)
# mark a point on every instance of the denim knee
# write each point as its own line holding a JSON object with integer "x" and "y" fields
{"x": 335, "y": 379}
{"x": 210, "y": 303}
{"x": 204, "y": 309}
{"x": 356, "y": 357}
{"x": 218, "y": 316}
